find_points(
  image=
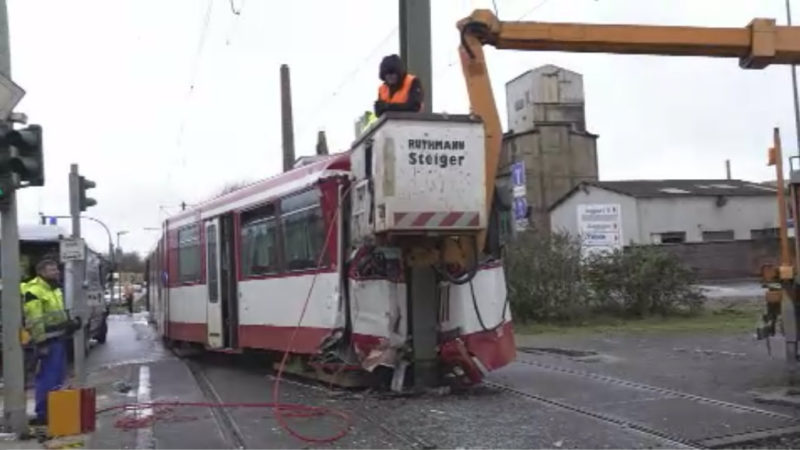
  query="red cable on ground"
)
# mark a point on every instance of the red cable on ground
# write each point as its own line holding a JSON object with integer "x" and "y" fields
{"x": 276, "y": 389}
{"x": 163, "y": 409}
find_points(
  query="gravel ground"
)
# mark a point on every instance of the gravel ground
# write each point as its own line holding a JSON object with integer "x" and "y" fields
{"x": 790, "y": 442}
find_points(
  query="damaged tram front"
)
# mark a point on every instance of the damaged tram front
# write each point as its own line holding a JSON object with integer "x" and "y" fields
{"x": 376, "y": 249}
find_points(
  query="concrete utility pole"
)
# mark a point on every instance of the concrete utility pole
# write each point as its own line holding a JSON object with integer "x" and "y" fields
{"x": 415, "y": 49}
{"x": 728, "y": 169}
{"x": 415, "y": 44}
{"x": 287, "y": 124}
{"x": 14, "y": 414}
{"x": 75, "y": 271}
{"x": 794, "y": 84}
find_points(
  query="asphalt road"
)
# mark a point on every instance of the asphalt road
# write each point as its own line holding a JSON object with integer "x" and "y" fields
{"x": 576, "y": 392}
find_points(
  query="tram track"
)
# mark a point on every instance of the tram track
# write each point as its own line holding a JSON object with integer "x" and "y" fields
{"x": 222, "y": 416}
{"x": 658, "y": 390}
{"x": 790, "y": 425}
{"x": 672, "y": 441}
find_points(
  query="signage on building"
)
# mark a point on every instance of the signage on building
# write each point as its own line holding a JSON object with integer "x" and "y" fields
{"x": 600, "y": 227}
{"x": 520, "y": 200}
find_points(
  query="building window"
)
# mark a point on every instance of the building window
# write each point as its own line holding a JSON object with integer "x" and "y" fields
{"x": 189, "y": 267}
{"x": 670, "y": 237}
{"x": 303, "y": 229}
{"x": 765, "y": 233}
{"x": 260, "y": 242}
{"x": 721, "y": 235}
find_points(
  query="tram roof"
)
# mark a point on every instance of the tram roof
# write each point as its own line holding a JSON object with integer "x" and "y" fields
{"x": 295, "y": 179}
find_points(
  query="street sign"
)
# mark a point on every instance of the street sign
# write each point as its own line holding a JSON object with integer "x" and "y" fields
{"x": 10, "y": 95}
{"x": 72, "y": 249}
{"x": 519, "y": 193}
{"x": 600, "y": 227}
{"x": 518, "y": 174}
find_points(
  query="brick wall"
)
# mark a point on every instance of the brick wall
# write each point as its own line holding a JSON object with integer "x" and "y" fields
{"x": 729, "y": 259}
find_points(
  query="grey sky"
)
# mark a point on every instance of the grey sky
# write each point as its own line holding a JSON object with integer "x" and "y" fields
{"x": 110, "y": 81}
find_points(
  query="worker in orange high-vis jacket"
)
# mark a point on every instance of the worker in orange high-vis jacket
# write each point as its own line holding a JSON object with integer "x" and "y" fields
{"x": 400, "y": 91}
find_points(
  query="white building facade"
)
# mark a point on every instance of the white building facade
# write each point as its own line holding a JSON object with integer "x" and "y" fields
{"x": 671, "y": 211}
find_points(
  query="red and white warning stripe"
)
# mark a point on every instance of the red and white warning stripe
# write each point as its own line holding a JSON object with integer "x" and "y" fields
{"x": 429, "y": 219}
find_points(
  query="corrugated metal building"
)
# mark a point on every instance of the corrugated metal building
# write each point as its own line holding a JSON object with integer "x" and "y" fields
{"x": 676, "y": 211}
{"x": 547, "y": 130}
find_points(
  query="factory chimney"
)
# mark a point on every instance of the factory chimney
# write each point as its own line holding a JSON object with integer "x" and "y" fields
{"x": 287, "y": 125}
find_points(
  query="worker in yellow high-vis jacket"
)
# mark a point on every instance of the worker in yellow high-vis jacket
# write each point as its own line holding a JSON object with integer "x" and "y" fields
{"x": 49, "y": 327}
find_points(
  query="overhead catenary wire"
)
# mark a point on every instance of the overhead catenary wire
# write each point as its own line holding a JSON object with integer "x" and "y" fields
{"x": 196, "y": 65}
{"x": 347, "y": 79}
{"x": 190, "y": 91}
{"x": 233, "y": 8}
{"x": 234, "y": 22}
{"x": 453, "y": 62}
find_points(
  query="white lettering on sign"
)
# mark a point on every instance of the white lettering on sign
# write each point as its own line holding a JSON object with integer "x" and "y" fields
{"x": 600, "y": 228}
{"x": 72, "y": 249}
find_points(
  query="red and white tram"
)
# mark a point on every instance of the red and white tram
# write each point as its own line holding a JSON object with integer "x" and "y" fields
{"x": 235, "y": 272}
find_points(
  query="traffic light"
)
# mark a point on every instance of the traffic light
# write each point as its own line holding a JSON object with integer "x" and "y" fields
{"x": 83, "y": 185}
{"x": 22, "y": 154}
{"x": 7, "y": 186}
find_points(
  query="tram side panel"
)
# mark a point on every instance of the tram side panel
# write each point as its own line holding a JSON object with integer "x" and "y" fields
{"x": 279, "y": 252}
{"x": 186, "y": 299}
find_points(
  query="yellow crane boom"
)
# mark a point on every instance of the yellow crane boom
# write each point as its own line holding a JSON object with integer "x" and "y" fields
{"x": 757, "y": 45}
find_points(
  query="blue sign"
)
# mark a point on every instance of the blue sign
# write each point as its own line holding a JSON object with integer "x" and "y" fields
{"x": 520, "y": 208}
{"x": 518, "y": 174}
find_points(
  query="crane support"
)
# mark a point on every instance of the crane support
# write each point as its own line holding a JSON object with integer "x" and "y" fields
{"x": 757, "y": 45}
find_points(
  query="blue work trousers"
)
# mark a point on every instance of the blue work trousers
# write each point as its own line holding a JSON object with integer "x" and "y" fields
{"x": 51, "y": 374}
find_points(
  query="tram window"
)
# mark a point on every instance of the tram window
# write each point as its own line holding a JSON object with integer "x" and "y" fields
{"x": 303, "y": 230}
{"x": 189, "y": 267}
{"x": 259, "y": 242}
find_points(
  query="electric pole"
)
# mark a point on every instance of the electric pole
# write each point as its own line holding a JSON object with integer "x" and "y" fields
{"x": 415, "y": 44}
{"x": 74, "y": 283}
{"x": 794, "y": 83}
{"x": 78, "y": 202}
{"x": 423, "y": 286}
{"x": 14, "y": 414}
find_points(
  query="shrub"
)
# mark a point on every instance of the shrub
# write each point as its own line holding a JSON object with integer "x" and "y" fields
{"x": 549, "y": 280}
{"x": 641, "y": 281}
{"x": 544, "y": 278}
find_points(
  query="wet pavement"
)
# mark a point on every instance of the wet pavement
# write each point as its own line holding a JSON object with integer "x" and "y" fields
{"x": 599, "y": 391}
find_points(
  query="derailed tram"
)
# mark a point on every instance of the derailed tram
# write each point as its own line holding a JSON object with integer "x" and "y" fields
{"x": 344, "y": 240}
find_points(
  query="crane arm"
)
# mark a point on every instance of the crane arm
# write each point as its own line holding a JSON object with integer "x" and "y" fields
{"x": 756, "y": 46}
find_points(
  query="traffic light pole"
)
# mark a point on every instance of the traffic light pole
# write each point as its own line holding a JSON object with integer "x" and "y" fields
{"x": 75, "y": 280}
{"x": 14, "y": 414}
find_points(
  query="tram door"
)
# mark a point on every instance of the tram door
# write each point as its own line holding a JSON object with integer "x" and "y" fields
{"x": 213, "y": 285}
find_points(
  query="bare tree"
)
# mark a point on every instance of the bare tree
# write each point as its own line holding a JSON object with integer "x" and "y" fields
{"x": 232, "y": 186}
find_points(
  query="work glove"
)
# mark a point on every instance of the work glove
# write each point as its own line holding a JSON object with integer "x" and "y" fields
{"x": 380, "y": 107}
{"x": 74, "y": 325}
